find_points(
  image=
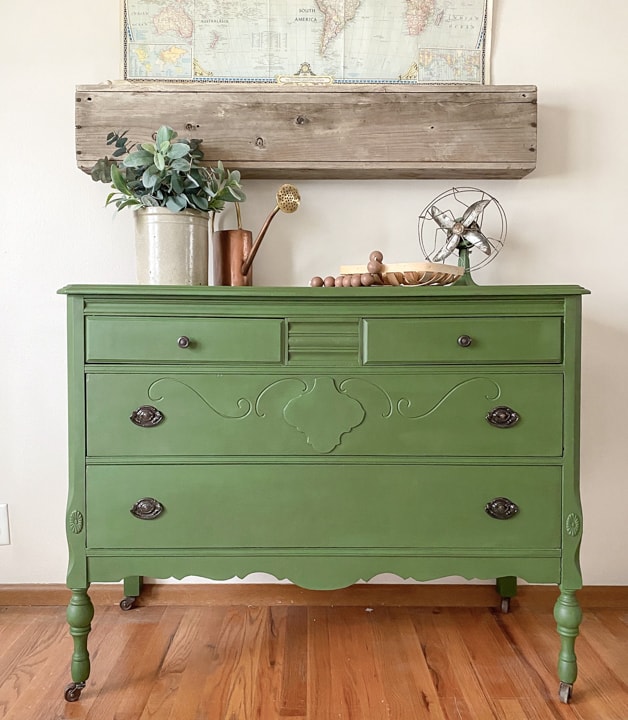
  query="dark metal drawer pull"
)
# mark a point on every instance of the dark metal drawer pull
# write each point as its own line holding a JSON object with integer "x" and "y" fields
{"x": 464, "y": 341}
{"x": 183, "y": 342}
{"x": 501, "y": 508}
{"x": 502, "y": 417}
{"x": 146, "y": 416}
{"x": 147, "y": 509}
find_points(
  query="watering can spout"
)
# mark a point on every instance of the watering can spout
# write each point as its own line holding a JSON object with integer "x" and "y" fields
{"x": 288, "y": 200}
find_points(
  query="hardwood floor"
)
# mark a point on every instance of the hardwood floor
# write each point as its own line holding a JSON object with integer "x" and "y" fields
{"x": 308, "y": 662}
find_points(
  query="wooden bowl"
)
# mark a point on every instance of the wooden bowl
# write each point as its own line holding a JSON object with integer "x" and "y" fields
{"x": 410, "y": 273}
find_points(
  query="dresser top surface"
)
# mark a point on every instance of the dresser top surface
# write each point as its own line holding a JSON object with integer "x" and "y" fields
{"x": 450, "y": 292}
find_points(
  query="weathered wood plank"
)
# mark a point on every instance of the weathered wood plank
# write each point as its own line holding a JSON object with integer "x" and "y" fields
{"x": 332, "y": 132}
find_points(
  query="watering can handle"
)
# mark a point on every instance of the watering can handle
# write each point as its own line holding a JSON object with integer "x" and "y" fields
{"x": 246, "y": 265}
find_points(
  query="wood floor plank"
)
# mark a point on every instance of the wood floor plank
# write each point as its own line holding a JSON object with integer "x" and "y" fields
{"x": 312, "y": 663}
{"x": 292, "y": 649}
{"x": 606, "y": 632}
{"x": 469, "y": 686}
{"x": 342, "y": 688}
{"x": 202, "y": 663}
{"x": 145, "y": 638}
{"x": 228, "y": 690}
{"x": 33, "y": 672}
{"x": 164, "y": 691}
{"x": 409, "y": 683}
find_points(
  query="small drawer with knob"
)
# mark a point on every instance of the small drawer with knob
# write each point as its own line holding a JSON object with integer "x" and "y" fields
{"x": 460, "y": 341}
{"x": 183, "y": 340}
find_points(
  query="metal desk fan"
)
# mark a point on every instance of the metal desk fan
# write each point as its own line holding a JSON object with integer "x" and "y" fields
{"x": 465, "y": 220}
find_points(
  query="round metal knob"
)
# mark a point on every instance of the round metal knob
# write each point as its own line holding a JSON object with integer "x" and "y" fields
{"x": 464, "y": 341}
{"x": 502, "y": 417}
{"x": 146, "y": 416}
{"x": 147, "y": 509}
{"x": 183, "y": 342}
{"x": 501, "y": 508}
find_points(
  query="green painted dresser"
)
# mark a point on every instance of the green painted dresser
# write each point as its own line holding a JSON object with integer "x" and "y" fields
{"x": 324, "y": 435}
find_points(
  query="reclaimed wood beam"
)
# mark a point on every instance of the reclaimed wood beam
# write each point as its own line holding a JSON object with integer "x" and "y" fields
{"x": 340, "y": 131}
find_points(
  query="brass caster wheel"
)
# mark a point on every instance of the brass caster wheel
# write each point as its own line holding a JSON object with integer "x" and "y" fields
{"x": 127, "y": 603}
{"x": 564, "y": 692}
{"x": 505, "y": 605}
{"x": 73, "y": 691}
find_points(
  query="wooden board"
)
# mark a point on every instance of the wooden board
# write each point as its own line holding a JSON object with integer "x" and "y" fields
{"x": 340, "y": 131}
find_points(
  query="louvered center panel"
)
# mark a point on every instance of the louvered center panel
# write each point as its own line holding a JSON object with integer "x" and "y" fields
{"x": 323, "y": 342}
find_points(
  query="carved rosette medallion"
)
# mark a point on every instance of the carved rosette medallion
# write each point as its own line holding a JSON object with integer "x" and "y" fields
{"x": 75, "y": 522}
{"x": 573, "y": 524}
{"x": 324, "y": 414}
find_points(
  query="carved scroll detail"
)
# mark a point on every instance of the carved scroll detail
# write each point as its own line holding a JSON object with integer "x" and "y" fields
{"x": 245, "y": 406}
{"x": 404, "y": 404}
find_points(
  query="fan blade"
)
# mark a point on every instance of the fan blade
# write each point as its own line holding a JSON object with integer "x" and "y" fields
{"x": 473, "y": 212}
{"x": 447, "y": 249}
{"x": 444, "y": 219}
{"x": 478, "y": 240}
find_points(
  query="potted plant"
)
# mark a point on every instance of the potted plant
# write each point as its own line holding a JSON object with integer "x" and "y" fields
{"x": 172, "y": 195}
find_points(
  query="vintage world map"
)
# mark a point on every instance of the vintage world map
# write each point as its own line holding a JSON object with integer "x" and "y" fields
{"x": 345, "y": 40}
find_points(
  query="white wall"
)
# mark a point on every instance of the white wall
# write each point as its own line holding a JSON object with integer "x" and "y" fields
{"x": 566, "y": 224}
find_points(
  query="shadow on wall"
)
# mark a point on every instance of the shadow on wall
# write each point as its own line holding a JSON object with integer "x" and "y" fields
{"x": 559, "y": 152}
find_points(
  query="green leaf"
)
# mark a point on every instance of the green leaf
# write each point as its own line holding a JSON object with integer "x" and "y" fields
{"x": 150, "y": 178}
{"x": 178, "y": 150}
{"x": 165, "y": 134}
{"x": 180, "y": 165}
{"x": 149, "y": 201}
{"x": 160, "y": 161}
{"x": 201, "y": 202}
{"x": 176, "y": 203}
{"x": 176, "y": 184}
{"x": 118, "y": 181}
{"x": 129, "y": 202}
{"x": 101, "y": 172}
{"x": 139, "y": 158}
{"x": 149, "y": 147}
{"x": 235, "y": 195}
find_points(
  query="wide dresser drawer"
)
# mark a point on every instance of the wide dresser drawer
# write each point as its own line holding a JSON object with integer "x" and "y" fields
{"x": 463, "y": 340}
{"x": 323, "y": 506}
{"x": 183, "y": 340}
{"x": 395, "y": 414}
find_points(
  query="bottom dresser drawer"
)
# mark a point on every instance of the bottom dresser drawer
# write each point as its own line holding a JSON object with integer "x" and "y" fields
{"x": 322, "y": 506}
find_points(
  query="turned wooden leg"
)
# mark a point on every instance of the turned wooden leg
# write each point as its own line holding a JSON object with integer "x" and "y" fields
{"x": 79, "y": 614}
{"x": 568, "y": 616}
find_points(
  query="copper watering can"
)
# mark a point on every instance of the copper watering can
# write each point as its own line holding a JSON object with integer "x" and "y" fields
{"x": 234, "y": 250}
